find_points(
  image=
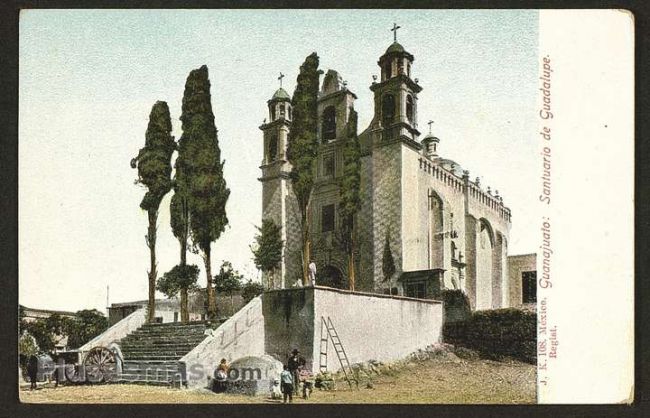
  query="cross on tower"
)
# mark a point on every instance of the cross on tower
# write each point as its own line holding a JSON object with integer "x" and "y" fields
{"x": 430, "y": 123}
{"x": 280, "y": 78}
{"x": 394, "y": 30}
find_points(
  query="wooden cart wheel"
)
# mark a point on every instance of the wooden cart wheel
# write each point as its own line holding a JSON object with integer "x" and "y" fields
{"x": 100, "y": 365}
{"x": 73, "y": 373}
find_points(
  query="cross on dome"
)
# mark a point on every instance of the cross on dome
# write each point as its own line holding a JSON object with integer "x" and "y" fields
{"x": 280, "y": 78}
{"x": 394, "y": 30}
{"x": 430, "y": 123}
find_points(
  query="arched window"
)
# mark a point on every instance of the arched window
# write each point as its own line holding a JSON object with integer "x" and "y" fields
{"x": 329, "y": 123}
{"x": 272, "y": 113}
{"x": 454, "y": 255}
{"x": 387, "y": 110}
{"x": 289, "y": 111}
{"x": 282, "y": 110}
{"x": 273, "y": 148}
{"x": 408, "y": 69}
{"x": 409, "y": 108}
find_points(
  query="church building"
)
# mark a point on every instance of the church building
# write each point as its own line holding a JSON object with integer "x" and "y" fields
{"x": 443, "y": 229}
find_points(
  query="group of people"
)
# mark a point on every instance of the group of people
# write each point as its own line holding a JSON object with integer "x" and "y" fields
{"x": 293, "y": 373}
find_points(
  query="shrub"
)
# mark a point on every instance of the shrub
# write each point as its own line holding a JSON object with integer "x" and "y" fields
{"x": 457, "y": 306}
{"x": 496, "y": 334}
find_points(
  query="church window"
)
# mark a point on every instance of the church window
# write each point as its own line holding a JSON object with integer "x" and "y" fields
{"x": 453, "y": 251}
{"x": 282, "y": 110}
{"x": 329, "y": 123}
{"x": 327, "y": 218}
{"x": 289, "y": 112}
{"x": 388, "y": 110}
{"x": 273, "y": 148}
{"x": 328, "y": 165}
{"x": 272, "y": 113}
{"x": 408, "y": 69}
{"x": 529, "y": 286}
{"x": 416, "y": 290}
{"x": 409, "y": 108}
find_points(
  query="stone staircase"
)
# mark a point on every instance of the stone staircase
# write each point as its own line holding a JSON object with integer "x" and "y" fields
{"x": 152, "y": 352}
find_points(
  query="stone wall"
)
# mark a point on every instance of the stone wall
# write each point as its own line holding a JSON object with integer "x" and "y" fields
{"x": 241, "y": 335}
{"x": 288, "y": 322}
{"x": 118, "y": 331}
{"x": 375, "y": 327}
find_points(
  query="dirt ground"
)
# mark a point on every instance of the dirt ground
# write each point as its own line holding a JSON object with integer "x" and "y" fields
{"x": 428, "y": 381}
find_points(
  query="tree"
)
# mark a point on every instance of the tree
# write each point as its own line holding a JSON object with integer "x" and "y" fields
{"x": 387, "y": 262}
{"x": 154, "y": 172}
{"x": 227, "y": 281}
{"x": 349, "y": 185}
{"x": 250, "y": 290}
{"x": 181, "y": 278}
{"x": 302, "y": 145}
{"x": 267, "y": 252}
{"x": 86, "y": 325}
{"x": 207, "y": 193}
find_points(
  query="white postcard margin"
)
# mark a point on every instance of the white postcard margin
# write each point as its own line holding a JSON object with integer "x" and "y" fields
{"x": 585, "y": 261}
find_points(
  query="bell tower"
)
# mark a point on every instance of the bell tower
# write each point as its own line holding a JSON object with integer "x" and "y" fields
{"x": 277, "y": 198}
{"x": 396, "y": 95}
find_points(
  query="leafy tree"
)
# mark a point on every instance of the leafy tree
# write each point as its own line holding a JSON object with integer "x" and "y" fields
{"x": 387, "y": 262}
{"x": 87, "y": 324}
{"x": 267, "y": 252}
{"x": 181, "y": 278}
{"x": 227, "y": 281}
{"x": 27, "y": 345}
{"x": 154, "y": 172}
{"x": 302, "y": 144}
{"x": 349, "y": 191}
{"x": 43, "y": 336}
{"x": 251, "y": 289}
{"x": 207, "y": 193}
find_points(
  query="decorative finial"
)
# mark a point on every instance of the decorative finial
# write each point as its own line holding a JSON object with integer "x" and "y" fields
{"x": 478, "y": 181}
{"x": 496, "y": 193}
{"x": 394, "y": 30}
{"x": 345, "y": 85}
{"x": 489, "y": 191}
{"x": 417, "y": 81}
{"x": 280, "y": 78}
{"x": 430, "y": 123}
{"x": 374, "y": 78}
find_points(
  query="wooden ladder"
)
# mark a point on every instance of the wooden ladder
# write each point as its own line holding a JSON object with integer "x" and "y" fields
{"x": 327, "y": 330}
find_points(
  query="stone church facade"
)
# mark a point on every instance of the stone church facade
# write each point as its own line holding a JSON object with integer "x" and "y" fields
{"x": 444, "y": 230}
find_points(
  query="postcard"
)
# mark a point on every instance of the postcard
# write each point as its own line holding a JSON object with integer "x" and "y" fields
{"x": 326, "y": 206}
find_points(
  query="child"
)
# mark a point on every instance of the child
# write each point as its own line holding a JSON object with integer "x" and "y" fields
{"x": 287, "y": 384}
{"x": 276, "y": 392}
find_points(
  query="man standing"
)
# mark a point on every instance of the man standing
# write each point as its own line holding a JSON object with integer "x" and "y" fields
{"x": 312, "y": 273}
{"x": 293, "y": 365}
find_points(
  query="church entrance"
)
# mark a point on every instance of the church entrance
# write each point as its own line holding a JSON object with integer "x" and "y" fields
{"x": 331, "y": 276}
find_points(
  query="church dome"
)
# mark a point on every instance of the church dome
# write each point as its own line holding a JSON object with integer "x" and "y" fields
{"x": 429, "y": 138}
{"x": 395, "y": 47}
{"x": 281, "y": 94}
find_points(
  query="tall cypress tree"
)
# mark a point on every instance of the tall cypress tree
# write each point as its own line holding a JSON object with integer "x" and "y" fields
{"x": 349, "y": 185}
{"x": 302, "y": 146}
{"x": 182, "y": 277}
{"x": 154, "y": 172}
{"x": 207, "y": 193}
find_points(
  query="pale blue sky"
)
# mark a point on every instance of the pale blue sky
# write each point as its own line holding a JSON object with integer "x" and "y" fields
{"x": 88, "y": 80}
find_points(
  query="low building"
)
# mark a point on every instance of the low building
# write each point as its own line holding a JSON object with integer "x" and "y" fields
{"x": 522, "y": 271}
{"x": 169, "y": 309}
